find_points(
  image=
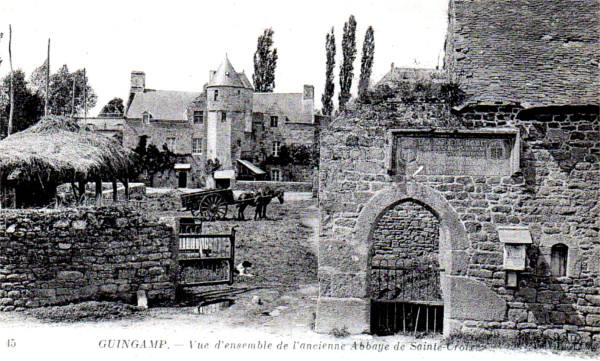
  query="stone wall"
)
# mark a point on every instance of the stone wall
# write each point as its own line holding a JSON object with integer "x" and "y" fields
{"x": 285, "y": 186}
{"x": 407, "y": 233}
{"x": 53, "y": 257}
{"x": 555, "y": 195}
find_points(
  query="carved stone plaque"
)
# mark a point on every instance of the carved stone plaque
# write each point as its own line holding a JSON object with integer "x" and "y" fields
{"x": 487, "y": 153}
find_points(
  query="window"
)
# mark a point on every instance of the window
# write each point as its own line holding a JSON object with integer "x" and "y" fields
{"x": 274, "y": 120}
{"x": 146, "y": 117}
{"x": 276, "y": 175}
{"x": 198, "y": 117}
{"x": 223, "y": 116}
{"x": 216, "y": 95}
{"x": 171, "y": 143}
{"x": 558, "y": 259}
{"x": 276, "y": 149}
{"x": 197, "y": 146}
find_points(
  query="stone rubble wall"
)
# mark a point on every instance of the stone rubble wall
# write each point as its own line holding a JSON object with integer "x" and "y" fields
{"x": 408, "y": 234}
{"x": 284, "y": 186}
{"x": 555, "y": 194}
{"x": 54, "y": 257}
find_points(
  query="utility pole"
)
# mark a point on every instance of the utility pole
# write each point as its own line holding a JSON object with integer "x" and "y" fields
{"x": 73, "y": 100}
{"x": 84, "y": 97}
{"x": 46, "y": 110}
{"x": 12, "y": 88}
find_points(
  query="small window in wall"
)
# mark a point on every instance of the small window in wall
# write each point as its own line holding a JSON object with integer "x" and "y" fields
{"x": 197, "y": 146}
{"x": 223, "y": 116}
{"x": 276, "y": 175}
{"x": 276, "y": 149}
{"x": 558, "y": 259}
{"x": 198, "y": 116}
{"x": 171, "y": 143}
{"x": 216, "y": 95}
{"x": 274, "y": 121}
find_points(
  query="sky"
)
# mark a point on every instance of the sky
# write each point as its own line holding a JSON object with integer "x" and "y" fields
{"x": 177, "y": 42}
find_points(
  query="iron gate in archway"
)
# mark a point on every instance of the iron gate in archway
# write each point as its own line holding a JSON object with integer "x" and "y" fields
{"x": 406, "y": 297}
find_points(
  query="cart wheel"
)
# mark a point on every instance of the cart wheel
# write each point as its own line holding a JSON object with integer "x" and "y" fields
{"x": 213, "y": 207}
{"x": 196, "y": 212}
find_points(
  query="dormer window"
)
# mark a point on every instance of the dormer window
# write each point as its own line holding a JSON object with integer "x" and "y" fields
{"x": 216, "y": 95}
{"x": 274, "y": 121}
{"x": 146, "y": 117}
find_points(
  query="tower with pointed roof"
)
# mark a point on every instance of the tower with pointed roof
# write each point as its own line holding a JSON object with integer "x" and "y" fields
{"x": 229, "y": 108}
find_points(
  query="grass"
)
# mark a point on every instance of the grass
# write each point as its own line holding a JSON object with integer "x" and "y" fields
{"x": 277, "y": 248}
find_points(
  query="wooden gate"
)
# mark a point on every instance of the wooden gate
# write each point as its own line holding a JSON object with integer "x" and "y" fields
{"x": 204, "y": 259}
{"x": 405, "y": 298}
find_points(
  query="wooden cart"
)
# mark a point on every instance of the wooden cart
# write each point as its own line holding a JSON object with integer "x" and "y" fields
{"x": 209, "y": 204}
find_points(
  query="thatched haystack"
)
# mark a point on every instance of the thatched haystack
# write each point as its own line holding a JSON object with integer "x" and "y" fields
{"x": 56, "y": 150}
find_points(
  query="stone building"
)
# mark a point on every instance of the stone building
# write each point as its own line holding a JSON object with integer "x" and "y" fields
{"x": 227, "y": 121}
{"x": 479, "y": 210}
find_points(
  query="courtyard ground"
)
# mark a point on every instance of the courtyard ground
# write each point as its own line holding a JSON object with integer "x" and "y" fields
{"x": 276, "y": 307}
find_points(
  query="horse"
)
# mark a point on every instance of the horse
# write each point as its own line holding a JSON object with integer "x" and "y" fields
{"x": 244, "y": 200}
{"x": 263, "y": 201}
{"x": 259, "y": 200}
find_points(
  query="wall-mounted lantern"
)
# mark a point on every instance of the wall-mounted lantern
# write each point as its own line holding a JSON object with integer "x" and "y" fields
{"x": 515, "y": 240}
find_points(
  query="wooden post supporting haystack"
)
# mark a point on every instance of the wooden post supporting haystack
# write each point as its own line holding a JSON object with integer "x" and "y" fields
{"x": 98, "y": 191}
{"x": 114, "y": 184}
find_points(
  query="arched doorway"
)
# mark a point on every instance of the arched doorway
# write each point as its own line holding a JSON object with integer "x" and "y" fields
{"x": 405, "y": 288}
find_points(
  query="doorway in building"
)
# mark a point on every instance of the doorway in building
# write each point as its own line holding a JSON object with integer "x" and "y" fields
{"x": 182, "y": 179}
{"x": 405, "y": 288}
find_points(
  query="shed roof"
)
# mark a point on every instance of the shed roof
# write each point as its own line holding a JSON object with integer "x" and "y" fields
{"x": 534, "y": 52}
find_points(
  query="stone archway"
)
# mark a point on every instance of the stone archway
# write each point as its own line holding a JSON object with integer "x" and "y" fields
{"x": 344, "y": 267}
{"x": 453, "y": 241}
{"x": 404, "y": 276}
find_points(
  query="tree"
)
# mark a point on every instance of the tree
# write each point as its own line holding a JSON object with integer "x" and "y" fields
{"x": 366, "y": 66}
{"x": 349, "y": 54}
{"x": 152, "y": 160}
{"x": 114, "y": 107}
{"x": 265, "y": 61}
{"x": 327, "y": 97}
{"x": 28, "y": 106}
{"x": 69, "y": 93}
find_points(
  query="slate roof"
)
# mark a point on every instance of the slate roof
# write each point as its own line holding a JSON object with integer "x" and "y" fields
{"x": 161, "y": 104}
{"x": 534, "y": 52}
{"x": 289, "y": 105}
{"x": 245, "y": 80}
{"x": 226, "y": 76}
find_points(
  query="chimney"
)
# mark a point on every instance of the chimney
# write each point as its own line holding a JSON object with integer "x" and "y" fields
{"x": 138, "y": 81}
{"x": 309, "y": 92}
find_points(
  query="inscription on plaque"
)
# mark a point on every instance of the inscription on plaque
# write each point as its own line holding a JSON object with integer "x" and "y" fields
{"x": 456, "y": 153}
